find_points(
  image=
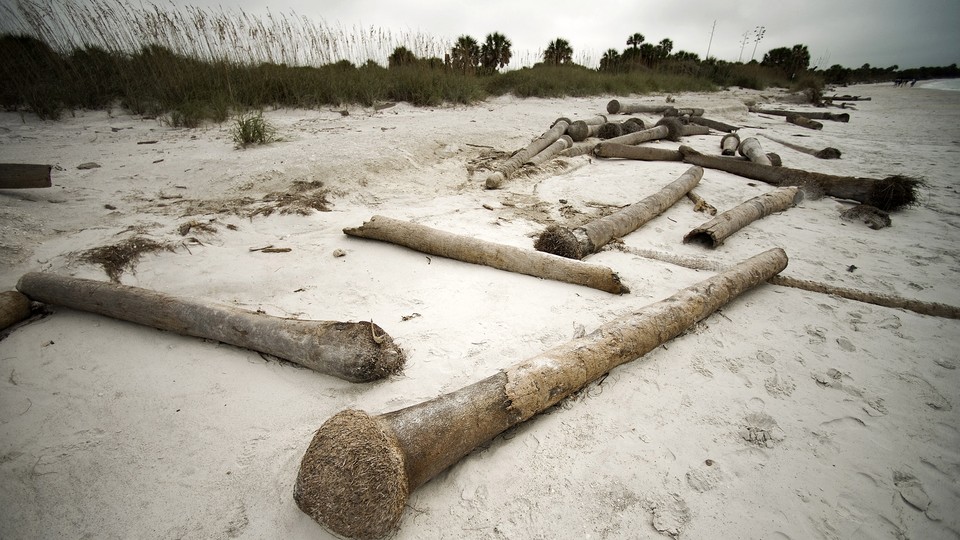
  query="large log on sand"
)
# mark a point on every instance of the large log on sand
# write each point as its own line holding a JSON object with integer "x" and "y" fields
{"x": 825, "y": 153}
{"x": 589, "y": 238}
{"x": 750, "y": 149}
{"x": 643, "y": 153}
{"x": 357, "y": 352}
{"x": 888, "y": 194}
{"x": 617, "y": 107}
{"x": 14, "y": 307}
{"x": 499, "y": 256}
{"x": 359, "y": 469}
{"x": 24, "y": 175}
{"x": 514, "y": 162}
{"x": 718, "y": 229}
{"x": 836, "y": 117}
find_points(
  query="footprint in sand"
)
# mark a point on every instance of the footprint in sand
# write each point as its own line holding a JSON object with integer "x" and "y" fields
{"x": 761, "y": 429}
{"x": 705, "y": 477}
{"x": 670, "y": 513}
{"x": 833, "y": 378}
{"x": 911, "y": 490}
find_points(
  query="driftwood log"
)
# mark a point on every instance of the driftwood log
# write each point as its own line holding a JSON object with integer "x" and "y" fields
{"x": 826, "y": 153}
{"x": 579, "y": 130}
{"x": 502, "y": 257}
{"x": 690, "y": 112}
{"x": 666, "y": 128}
{"x": 551, "y": 151}
{"x": 729, "y": 144}
{"x": 616, "y": 107}
{"x": 888, "y": 194}
{"x": 750, "y": 149}
{"x": 713, "y": 124}
{"x": 714, "y": 232}
{"x": 934, "y": 309}
{"x": 643, "y": 153}
{"x": 803, "y": 121}
{"x": 356, "y": 352}
{"x": 514, "y": 162}
{"x": 24, "y": 176}
{"x": 359, "y": 470}
{"x": 589, "y": 238}
{"x": 836, "y": 117}
{"x": 846, "y": 98}
{"x": 14, "y": 307}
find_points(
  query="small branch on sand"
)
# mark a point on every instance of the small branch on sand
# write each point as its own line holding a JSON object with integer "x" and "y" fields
{"x": 715, "y": 231}
{"x": 827, "y": 153}
{"x": 341, "y": 349}
{"x": 359, "y": 470}
{"x": 888, "y": 194}
{"x": 589, "y": 238}
{"x": 700, "y": 205}
{"x": 464, "y": 248}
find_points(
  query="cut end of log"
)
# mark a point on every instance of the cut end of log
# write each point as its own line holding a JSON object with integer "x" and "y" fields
{"x": 495, "y": 180}
{"x": 352, "y": 478}
{"x": 559, "y": 241}
{"x": 702, "y": 238}
{"x": 376, "y": 355}
{"x": 613, "y": 107}
{"x": 674, "y": 128}
{"x": 828, "y": 153}
{"x": 578, "y": 130}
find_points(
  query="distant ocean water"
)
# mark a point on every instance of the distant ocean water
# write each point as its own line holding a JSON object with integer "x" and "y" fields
{"x": 942, "y": 84}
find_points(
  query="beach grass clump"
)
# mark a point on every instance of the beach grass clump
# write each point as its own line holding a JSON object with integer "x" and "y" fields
{"x": 252, "y": 128}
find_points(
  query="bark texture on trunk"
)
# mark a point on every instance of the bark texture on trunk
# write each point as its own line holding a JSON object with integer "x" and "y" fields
{"x": 888, "y": 194}
{"x": 643, "y": 153}
{"x": 617, "y": 107}
{"x": 803, "y": 121}
{"x": 750, "y": 149}
{"x": 713, "y": 124}
{"x": 359, "y": 470}
{"x": 499, "y": 256}
{"x": 514, "y": 162}
{"x": 589, "y": 238}
{"x": 551, "y": 151}
{"x": 718, "y": 229}
{"x": 357, "y": 352}
{"x": 729, "y": 144}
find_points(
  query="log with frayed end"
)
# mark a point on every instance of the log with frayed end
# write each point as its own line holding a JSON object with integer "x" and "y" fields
{"x": 14, "y": 307}
{"x": 359, "y": 470}
{"x": 502, "y": 257}
{"x": 356, "y": 352}
{"x": 514, "y": 162}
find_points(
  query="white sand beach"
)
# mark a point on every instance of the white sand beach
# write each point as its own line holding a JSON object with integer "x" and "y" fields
{"x": 788, "y": 414}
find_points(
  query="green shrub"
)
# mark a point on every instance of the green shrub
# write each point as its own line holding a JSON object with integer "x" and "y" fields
{"x": 251, "y": 128}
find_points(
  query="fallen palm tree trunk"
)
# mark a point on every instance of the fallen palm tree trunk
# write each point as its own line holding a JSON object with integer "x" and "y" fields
{"x": 846, "y": 98}
{"x": 24, "y": 176}
{"x": 579, "y": 130}
{"x": 729, "y": 144}
{"x": 750, "y": 149}
{"x": 713, "y": 124}
{"x": 589, "y": 238}
{"x": 359, "y": 470}
{"x": 515, "y": 161}
{"x": 693, "y": 129}
{"x": 700, "y": 205}
{"x": 616, "y": 107}
{"x": 891, "y": 193}
{"x": 827, "y": 153}
{"x": 642, "y": 153}
{"x": 803, "y": 121}
{"x": 499, "y": 256}
{"x": 356, "y": 352}
{"x": 14, "y": 307}
{"x": 551, "y": 151}
{"x": 579, "y": 149}
{"x": 836, "y": 117}
{"x": 934, "y": 309}
{"x": 666, "y": 128}
{"x": 714, "y": 232}
{"x": 683, "y": 111}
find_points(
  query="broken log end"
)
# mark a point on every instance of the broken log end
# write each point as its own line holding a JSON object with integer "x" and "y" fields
{"x": 701, "y": 237}
{"x": 828, "y": 153}
{"x": 560, "y": 241}
{"x": 352, "y": 478}
{"x": 495, "y": 180}
{"x": 674, "y": 128}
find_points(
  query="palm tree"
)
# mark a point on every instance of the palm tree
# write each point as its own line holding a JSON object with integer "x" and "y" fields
{"x": 610, "y": 61}
{"x": 558, "y": 52}
{"x": 665, "y": 47}
{"x": 465, "y": 55}
{"x": 635, "y": 40}
{"x": 401, "y": 56}
{"x": 495, "y": 52}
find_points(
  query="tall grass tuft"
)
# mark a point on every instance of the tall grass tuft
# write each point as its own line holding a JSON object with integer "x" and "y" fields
{"x": 252, "y": 128}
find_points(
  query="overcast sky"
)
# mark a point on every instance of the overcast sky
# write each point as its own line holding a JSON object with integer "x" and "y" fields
{"x": 908, "y": 33}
